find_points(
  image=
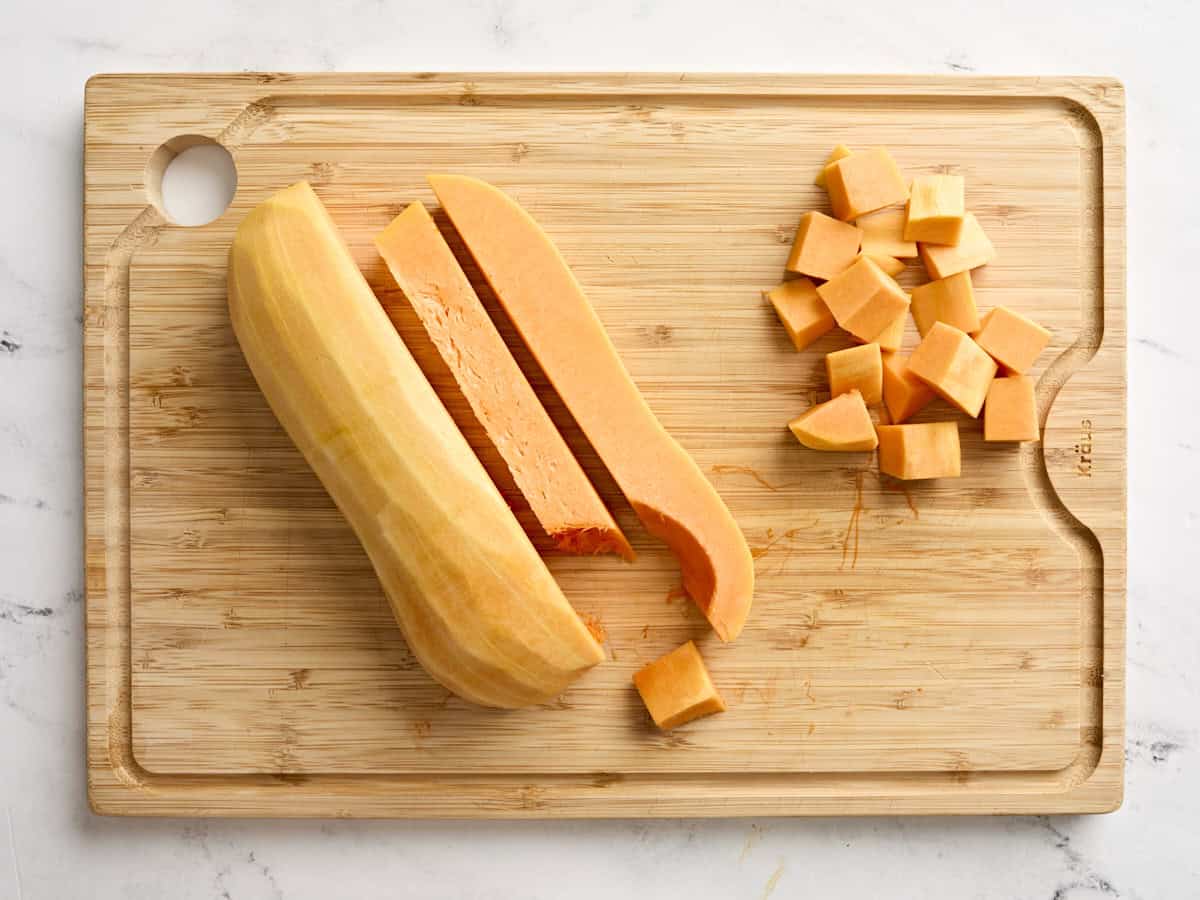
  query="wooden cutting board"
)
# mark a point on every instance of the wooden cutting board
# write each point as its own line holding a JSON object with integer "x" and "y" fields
{"x": 953, "y": 646}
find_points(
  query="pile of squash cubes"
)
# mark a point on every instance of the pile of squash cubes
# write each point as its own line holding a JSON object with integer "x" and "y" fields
{"x": 845, "y": 267}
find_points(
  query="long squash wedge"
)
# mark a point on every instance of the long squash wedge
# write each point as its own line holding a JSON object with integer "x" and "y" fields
{"x": 542, "y": 465}
{"x": 663, "y": 484}
{"x": 478, "y": 607}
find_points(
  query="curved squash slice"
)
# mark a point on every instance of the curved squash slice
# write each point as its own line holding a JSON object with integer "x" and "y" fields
{"x": 842, "y": 423}
{"x": 478, "y": 608}
{"x": 663, "y": 484}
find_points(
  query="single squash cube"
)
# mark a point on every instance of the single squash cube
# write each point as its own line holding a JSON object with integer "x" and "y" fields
{"x": 1012, "y": 340}
{"x": 889, "y": 264}
{"x": 904, "y": 394}
{"x": 892, "y": 338}
{"x": 1010, "y": 413}
{"x": 954, "y": 366}
{"x": 928, "y": 450}
{"x": 864, "y": 299}
{"x": 856, "y": 369}
{"x": 936, "y": 209}
{"x": 864, "y": 182}
{"x": 883, "y": 233}
{"x": 950, "y": 300}
{"x": 801, "y": 311}
{"x": 841, "y": 151}
{"x": 843, "y": 423}
{"x": 676, "y": 688}
{"x": 974, "y": 249}
{"x": 823, "y": 247}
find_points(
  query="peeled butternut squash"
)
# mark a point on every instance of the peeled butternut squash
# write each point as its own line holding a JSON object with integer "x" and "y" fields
{"x": 479, "y": 609}
{"x": 840, "y": 424}
{"x": 677, "y": 688}
{"x": 542, "y": 465}
{"x": 663, "y": 484}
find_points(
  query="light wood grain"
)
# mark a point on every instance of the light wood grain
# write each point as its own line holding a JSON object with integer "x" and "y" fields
{"x": 952, "y": 647}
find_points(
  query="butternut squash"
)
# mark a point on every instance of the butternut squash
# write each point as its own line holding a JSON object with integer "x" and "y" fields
{"x": 883, "y": 234}
{"x": 823, "y": 247}
{"x": 864, "y": 182}
{"x": 841, "y": 151}
{"x": 803, "y": 314}
{"x": 974, "y": 249}
{"x": 904, "y": 394}
{"x": 864, "y": 299}
{"x": 1011, "y": 339}
{"x": 936, "y": 209}
{"x": 929, "y": 450}
{"x": 954, "y": 366}
{"x": 663, "y": 484}
{"x": 542, "y": 465}
{"x": 1010, "y": 413}
{"x": 856, "y": 368}
{"x": 841, "y": 424}
{"x": 478, "y": 607}
{"x": 677, "y": 688}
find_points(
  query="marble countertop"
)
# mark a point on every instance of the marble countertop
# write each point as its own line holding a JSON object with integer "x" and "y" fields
{"x": 51, "y": 846}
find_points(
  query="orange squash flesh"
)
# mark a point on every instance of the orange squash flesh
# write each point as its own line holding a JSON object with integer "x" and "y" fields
{"x": 1011, "y": 339}
{"x": 930, "y": 450}
{"x": 803, "y": 314}
{"x": 864, "y": 299}
{"x": 974, "y": 249}
{"x": 856, "y": 368}
{"x": 841, "y": 151}
{"x": 864, "y": 182}
{"x": 823, "y": 247}
{"x": 950, "y": 300}
{"x": 954, "y": 366}
{"x": 1010, "y": 413}
{"x": 542, "y": 465}
{"x": 676, "y": 688}
{"x": 883, "y": 234}
{"x": 935, "y": 210}
{"x": 840, "y": 424}
{"x": 663, "y": 484}
{"x": 904, "y": 394}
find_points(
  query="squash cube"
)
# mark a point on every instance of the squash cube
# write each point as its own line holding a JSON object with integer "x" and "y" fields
{"x": 801, "y": 311}
{"x": 974, "y": 249}
{"x": 936, "y": 209}
{"x": 1012, "y": 340}
{"x": 841, "y": 151}
{"x": 842, "y": 423}
{"x": 929, "y": 450}
{"x": 1010, "y": 413}
{"x": 676, "y": 688}
{"x": 950, "y": 300}
{"x": 864, "y": 299}
{"x": 856, "y": 368}
{"x": 883, "y": 233}
{"x": 904, "y": 394}
{"x": 954, "y": 366}
{"x": 864, "y": 182}
{"x": 823, "y": 247}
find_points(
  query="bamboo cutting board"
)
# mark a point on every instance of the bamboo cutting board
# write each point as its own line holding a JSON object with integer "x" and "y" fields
{"x": 953, "y": 646}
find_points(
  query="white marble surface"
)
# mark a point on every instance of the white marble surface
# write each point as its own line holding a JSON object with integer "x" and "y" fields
{"x": 50, "y": 844}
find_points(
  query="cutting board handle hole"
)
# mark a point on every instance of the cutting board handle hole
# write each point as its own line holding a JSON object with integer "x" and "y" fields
{"x": 191, "y": 179}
